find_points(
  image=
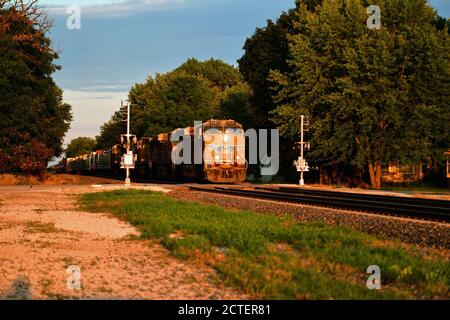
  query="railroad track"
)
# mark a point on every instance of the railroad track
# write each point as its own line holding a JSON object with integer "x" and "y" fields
{"x": 417, "y": 208}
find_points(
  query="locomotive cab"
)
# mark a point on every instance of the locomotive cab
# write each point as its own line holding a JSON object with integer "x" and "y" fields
{"x": 224, "y": 156}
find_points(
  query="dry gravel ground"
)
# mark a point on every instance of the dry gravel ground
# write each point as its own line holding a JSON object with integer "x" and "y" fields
{"x": 42, "y": 233}
{"x": 426, "y": 233}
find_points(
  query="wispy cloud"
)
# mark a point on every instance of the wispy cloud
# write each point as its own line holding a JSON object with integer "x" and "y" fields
{"x": 91, "y": 110}
{"x": 111, "y": 7}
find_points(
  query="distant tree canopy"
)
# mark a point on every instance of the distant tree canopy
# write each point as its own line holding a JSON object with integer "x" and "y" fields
{"x": 372, "y": 95}
{"x": 266, "y": 50}
{"x": 33, "y": 117}
{"x": 194, "y": 91}
{"x": 80, "y": 146}
{"x": 110, "y": 132}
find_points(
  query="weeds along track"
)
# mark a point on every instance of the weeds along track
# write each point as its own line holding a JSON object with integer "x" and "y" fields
{"x": 416, "y": 208}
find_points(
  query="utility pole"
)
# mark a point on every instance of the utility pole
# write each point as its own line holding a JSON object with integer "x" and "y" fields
{"x": 301, "y": 164}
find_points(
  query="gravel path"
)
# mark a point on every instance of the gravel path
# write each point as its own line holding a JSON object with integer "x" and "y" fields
{"x": 430, "y": 234}
{"x": 42, "y": 233}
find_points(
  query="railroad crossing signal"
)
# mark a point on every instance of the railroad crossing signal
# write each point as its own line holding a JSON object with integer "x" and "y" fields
{"x": 124, "y": 140}
{"x": 305, "y": 124}
{"x": 124, "y": 111}
{"x": 301, "y": 164}
{"x": 128, "y": 159}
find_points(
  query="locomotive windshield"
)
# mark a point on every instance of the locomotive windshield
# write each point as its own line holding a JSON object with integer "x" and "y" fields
{"x": 234, "y": 131}
{"x": 214, "y": 129}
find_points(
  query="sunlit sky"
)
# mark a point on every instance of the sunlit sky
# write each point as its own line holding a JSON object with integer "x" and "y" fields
{"x": 122, "y": 42}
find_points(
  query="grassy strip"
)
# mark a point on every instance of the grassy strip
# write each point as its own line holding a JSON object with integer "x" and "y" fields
{"x": 274, "y": 257}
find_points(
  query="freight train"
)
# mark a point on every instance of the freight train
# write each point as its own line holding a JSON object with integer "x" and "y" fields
{"x": 221, "y": 144}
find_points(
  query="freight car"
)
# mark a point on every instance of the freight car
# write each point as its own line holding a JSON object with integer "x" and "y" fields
{"x": 220, "y": 143}
{"x": 101, "y": 161}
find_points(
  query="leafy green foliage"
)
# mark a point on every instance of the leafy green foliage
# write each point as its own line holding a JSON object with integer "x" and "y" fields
{"x": 267, "y": 49}
{"x": 194, "y": 91}
{"x": 33, "y": 116}
{"x": 219, "y": 74}
{"x": 80, "y": 146}
{"x": 171, "y": 101}
{"x": 110, "y": 132}
{"x": 276, "y": 257}
{"x": 372, "y": 95}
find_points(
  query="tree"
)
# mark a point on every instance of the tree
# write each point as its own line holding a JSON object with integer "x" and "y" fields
{"x": 219, "y": 74}
{"x": 266, "y": 50}
{"x": 30, "y": 157}
{"x": 171, "y": 101}
{"x": 236, "y": 105}
{"x": 32, "y": 112}
{"x": 29, "y": 10}
{"x": 195, "y": 91}
{"x": 110, "y": 132}
{"x": 372, "y": 95}
{"x": 80, "y": 146}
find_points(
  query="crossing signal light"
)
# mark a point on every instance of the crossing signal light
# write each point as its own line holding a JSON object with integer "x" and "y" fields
{"x": 306, "y": 124}
{"x": 124, "y": 111}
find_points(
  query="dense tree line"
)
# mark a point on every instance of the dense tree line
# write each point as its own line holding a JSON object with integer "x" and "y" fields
{"x": 80, "y": 146}
{"x": 33, "y": 116}
{"x": 194, "y": 91}
{"x": 371, "y": 95}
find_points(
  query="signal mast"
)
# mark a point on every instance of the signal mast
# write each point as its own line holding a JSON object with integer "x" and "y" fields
{"x": 301, "y": 164}
{"x": 128, "y": 159}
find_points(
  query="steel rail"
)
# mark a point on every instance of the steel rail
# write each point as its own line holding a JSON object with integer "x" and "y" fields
{"x": 363, "y": 196}
{"x": 428, "y": 209}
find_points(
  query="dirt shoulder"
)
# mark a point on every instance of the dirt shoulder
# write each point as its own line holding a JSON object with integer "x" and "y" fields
{"x": 42, "y": 233}
{"x": 54, "y": 180}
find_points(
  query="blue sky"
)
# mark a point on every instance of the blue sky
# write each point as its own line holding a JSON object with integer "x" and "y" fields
{"x": 121, "y": 42}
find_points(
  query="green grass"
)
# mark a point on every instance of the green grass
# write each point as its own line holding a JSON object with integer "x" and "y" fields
{"x": 273, "y": 257}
